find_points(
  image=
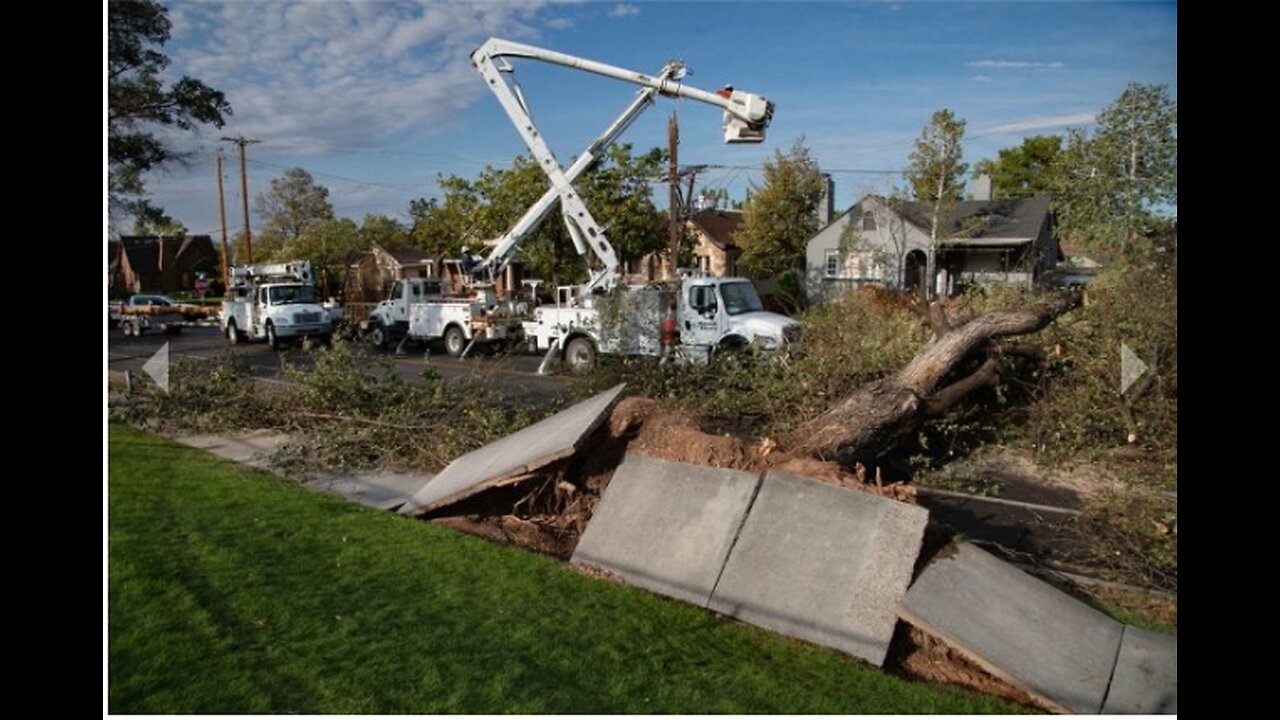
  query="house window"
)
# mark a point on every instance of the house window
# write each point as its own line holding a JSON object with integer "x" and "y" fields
{"x": 833, "y": 263}
{"x": 868, "y": 221}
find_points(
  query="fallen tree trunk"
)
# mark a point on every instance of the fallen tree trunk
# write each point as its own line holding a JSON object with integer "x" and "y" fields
{"x": 876, "y": 415}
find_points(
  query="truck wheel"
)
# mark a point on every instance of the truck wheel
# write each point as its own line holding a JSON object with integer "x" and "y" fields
{"x": 378, "y": 336}
{"x": 454, "y": 341}
{"x": 273, "y": 340}
{"x": 580, "y": 355}
{"x": 126, "y": 327}
{"x": 233, "y": 333}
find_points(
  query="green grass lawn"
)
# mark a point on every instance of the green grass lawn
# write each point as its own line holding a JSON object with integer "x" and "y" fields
{"x": 233, "y": 591}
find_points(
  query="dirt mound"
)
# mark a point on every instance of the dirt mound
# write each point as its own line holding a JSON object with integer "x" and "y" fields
{"x": 548, "y": 512}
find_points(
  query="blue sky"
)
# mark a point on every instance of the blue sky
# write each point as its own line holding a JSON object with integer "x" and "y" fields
{"x": 377, "y": 98}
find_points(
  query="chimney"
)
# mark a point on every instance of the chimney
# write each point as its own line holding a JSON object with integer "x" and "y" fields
{"x": 981, "y": 187}
{"x": 827, "y": 203}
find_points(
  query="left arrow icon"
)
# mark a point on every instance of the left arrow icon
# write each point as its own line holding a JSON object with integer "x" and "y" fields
{"x": 157, "y": 367}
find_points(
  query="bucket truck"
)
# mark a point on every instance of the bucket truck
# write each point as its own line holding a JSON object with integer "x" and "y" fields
{"x": 275, "y": 302}
{"x": 690, "y": 317}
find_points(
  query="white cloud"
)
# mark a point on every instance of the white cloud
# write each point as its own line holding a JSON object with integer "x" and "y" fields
{"x": 1038, "y": 123}
{"x": 1016, "y": 64}
{"x": 624, "y": 10}
{"x": 559, "y": 23}
{"x": 982, "y": 78}
{"x": 315, "y": 76}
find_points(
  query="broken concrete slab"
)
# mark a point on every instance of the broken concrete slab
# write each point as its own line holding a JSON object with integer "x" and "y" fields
{"x": 1024, "y": 630}
{"x": 822, "y": 563}
{"x": 383, "y": 490}
{"x": 667, "y": 526}
{"x": 522, "y": 452}
{"x": 1145, "y": 681}
{"x": 251, "y": 448}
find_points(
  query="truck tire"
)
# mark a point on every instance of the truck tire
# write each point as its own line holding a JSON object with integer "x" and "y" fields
{"x": 126, "y": 327}
{"x": 378, "y": 336}
{"x": 454, "y": 341}
{"x": 233, "y": 333}
{"x": 580, "y": 355}
{"x": 273, "y": 340}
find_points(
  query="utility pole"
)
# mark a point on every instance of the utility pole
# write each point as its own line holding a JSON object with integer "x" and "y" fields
{"x": 673, "y": 183}
{"x": 243, "y": 142}
{"x": 222, "y": 215}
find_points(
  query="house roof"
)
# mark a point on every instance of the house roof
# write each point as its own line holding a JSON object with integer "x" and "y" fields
{"x": 408, "y": 255}
{"x": 143, "y": 251}
{"x": 978, "y": 223}
{"x": 718, "y": 225}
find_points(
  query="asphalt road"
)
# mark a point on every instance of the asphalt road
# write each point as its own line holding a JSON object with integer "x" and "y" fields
{"x": 516, "y": 376}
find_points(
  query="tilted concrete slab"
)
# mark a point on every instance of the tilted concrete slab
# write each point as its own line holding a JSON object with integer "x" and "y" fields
{"x": 1019, "y": 628}
{"x": 1145, "y": 681}
{"x": 381, "y": 490}
{"x": 251, "y": 448}
{"x": 822, "y": 563}
{"x": 667, "y": 526}
{"x": 522, "y": 452}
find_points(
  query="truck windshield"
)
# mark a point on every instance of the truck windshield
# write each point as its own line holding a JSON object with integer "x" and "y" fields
{"x": 289, "y": 294}
{"x": 740, "y": 297}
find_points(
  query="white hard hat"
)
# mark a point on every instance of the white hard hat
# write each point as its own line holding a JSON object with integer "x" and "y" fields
{"x": 466, "y": 249}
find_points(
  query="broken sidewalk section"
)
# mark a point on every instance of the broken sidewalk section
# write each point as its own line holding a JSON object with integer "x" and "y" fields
{"x": 515, "y": 457}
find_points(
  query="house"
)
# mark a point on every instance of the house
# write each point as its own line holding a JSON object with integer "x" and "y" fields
{"x": 710, "y": 232}
{"x": 371, "y": 275}
{"x": 885, "y": 241}
{"x": 159, "y": 264}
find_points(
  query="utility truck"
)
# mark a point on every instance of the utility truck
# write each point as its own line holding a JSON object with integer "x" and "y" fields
{"x": 688, "y": 317}
{"x": 428, "y": 309}
{"x": 275, "y": 302}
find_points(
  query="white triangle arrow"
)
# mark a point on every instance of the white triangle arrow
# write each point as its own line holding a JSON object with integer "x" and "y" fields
{"x": 157, "y": 368}
{"x": 1131, "y": 368}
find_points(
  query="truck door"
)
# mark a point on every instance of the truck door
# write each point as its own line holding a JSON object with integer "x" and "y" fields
{"x": 400, "y": 299}
{"x": 700, "y": 324}
{"x": 258, "y": 313}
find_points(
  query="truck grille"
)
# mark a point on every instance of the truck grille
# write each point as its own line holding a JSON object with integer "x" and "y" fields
{"x": 311, "y": 317}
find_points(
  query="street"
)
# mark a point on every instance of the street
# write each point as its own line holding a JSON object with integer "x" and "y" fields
{"x": 515, "y": 376}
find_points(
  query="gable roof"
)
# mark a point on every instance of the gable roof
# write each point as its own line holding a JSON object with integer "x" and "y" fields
{"x": 408, "y": 254}
{"x": 144, "y": 252}
{"x": 718, "y": 225}
{"x": 982, "y": 222}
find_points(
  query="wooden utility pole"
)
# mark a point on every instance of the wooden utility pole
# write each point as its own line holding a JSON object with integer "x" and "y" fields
{"x": 222, "y": 216}
{"x": 673, "y": 182}
{"x": 243, "y": 142}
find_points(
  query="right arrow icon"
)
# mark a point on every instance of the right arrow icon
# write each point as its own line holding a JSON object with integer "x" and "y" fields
{"x": 1131, "y": 368}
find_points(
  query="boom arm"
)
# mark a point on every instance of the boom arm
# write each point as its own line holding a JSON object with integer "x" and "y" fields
{"x": 746, "y": 116}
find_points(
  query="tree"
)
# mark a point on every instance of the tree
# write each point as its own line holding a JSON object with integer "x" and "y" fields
{"x": 289, "y": 208}
{"x": 873, "y": 417}
{"x": 1112, "y": 185}
{"x": 139, "y": 102}
{"x": 158, "y": 223}
{"x": 617, "y": 192}
{"x": 331, "y": 245}
{"x": 781, "y": 215}
{"x": 1025, "y": 170}
{"x": 935, "y": 171}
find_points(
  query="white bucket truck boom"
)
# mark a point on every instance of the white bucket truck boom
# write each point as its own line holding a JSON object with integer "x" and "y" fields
{"x": 713, "y": 312}
{"x": 275, "y": 302}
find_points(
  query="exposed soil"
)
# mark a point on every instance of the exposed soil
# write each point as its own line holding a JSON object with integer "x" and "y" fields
{"x": 920, "y": 656}
{"x": 547, "y": 511}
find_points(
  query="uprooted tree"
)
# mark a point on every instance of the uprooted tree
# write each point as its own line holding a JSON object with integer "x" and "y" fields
{"x": 960, "y": 359}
